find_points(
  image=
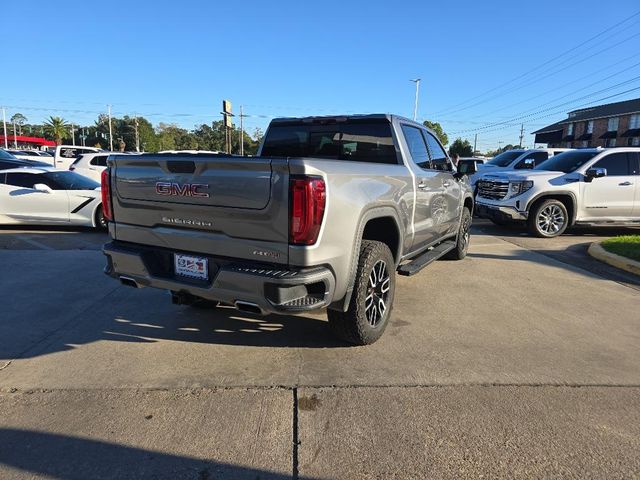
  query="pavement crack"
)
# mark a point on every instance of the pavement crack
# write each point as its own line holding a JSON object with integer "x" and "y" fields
{"x": 295, "y": 438}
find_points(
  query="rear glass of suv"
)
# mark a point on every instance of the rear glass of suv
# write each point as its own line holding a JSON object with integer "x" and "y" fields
{"x": 360, "y": 141}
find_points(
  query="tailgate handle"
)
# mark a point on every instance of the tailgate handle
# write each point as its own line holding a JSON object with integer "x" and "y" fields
{"x": 181, "y": 166}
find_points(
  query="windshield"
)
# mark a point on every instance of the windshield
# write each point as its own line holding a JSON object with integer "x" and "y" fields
{"x": 357, "y": 141}
{"x": 567, "y": 161}
{"x": 69, "y": 181}
{"x": 4, "y": 155}
{"x": 505, "y": 158}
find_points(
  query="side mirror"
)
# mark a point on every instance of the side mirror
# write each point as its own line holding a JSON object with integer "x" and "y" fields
{"x": 594, "y": 173}
{"x": 41, "y": 187}
{"x": 529, "y": 163}
{"x": 466, "y": 167}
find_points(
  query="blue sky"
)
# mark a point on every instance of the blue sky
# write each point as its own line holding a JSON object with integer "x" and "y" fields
{"x": 175, "y": 61}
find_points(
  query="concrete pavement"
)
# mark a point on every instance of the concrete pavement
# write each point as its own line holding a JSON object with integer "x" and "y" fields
{"x": 508, "y": 345}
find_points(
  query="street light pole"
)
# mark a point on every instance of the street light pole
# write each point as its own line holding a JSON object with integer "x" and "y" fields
{"x": 415, "y": 107}
{"x": 73, "y": 136}
{"x": 241, "y": 131}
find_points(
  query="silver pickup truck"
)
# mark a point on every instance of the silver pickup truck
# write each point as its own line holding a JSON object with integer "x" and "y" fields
{"x": 322, "y": 217}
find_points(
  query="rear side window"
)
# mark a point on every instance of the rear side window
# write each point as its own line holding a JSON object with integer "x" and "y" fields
{"x": 417, "y": 146}
{"x": 439, "y": 159}
{"x": 99, "y": 161}
{"x": 357, "y": 141}
{"x": 617, "y": 164}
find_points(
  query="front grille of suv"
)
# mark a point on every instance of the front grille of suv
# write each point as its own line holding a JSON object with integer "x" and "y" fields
{"x": 492, "y": 190}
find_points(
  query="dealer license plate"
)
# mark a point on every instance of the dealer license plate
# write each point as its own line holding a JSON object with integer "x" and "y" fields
{"x": 192, "y": 267}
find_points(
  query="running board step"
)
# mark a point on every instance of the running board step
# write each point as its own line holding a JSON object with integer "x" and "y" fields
{"x": 426, "y": 258}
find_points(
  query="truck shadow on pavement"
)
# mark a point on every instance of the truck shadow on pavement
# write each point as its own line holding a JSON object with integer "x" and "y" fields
{"x": 66, "y": 457}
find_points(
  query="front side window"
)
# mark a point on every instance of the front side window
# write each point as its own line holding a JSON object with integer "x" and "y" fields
{"x": 617, "y": 164}
{"x": 612, "y": 125}
{"x": 417, "y": 146}
{"x": 439, "y": 159}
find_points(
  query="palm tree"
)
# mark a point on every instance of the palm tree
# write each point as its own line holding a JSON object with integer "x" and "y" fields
{"x": 58, "y": 128}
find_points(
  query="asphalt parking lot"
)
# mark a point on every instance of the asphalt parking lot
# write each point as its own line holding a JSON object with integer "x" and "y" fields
{"x": 520, "y": 361}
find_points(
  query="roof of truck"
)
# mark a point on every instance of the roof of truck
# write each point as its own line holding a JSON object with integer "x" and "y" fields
{"x": 340, "y": 118}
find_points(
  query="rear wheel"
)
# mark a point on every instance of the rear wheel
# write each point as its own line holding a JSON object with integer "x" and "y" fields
{"x": 548, "y": 219}
{"x": 372, "y": 300}
{"x": 101, "y": 221}
{"x": 464, "y": 235}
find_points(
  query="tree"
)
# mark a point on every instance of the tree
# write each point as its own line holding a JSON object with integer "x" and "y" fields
{"x": 19, "y": 119}
{"x": 437, "y": 129}
{"x": 461, "y": 147}
{"x": 57, "y": 128}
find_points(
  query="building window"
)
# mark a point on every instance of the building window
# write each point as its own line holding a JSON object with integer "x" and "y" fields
{"x": 610, "y": 142}
{"x": 570, "y": 129}
{"x": 589, "y": 128}
{"x": 613, "y": 124}
{"x": 634, "y": 142}
{"x": 568, "y": 145}
{"x": 585, "y": 143}
{"x": 634, "y": 121}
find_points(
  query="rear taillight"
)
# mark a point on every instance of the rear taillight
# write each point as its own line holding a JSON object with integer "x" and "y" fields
{"x": 105, "y": 188}
{"x": 308, "y": 198}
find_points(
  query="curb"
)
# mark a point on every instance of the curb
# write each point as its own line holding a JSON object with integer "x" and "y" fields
{"x": 623, "y": 263}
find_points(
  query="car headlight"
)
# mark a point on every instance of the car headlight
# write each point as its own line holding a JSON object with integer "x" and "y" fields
{"x": 518, "y": 188}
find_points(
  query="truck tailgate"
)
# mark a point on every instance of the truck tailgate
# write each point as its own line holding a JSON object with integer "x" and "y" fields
{"x": 199, "y": 202}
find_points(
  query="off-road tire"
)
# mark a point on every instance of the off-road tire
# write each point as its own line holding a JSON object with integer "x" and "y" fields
{"x": 462, "y": 240}
{"x": 548, "y": 208}
{"x": 354, "y": 326}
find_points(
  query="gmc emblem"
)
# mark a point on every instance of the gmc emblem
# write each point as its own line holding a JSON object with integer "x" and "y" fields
{"x": 184, "y": 190}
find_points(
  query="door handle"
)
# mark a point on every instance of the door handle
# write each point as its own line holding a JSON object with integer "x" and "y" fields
{"x": 446, "y": 183}
{"x": 422, "y": 186}
{"x": 625, "y": 184}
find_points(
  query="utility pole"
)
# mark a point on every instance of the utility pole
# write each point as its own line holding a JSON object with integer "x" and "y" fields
{"x": 521, "y": 134}
{"x": 110, "y": 132}
{"x": 241, "y": 131}
{"x": 4, "y": 124}
{"x": 83, "y": 137}
{"x": 415, "y": 107}
{"x": 499, "y": 143}
{"x": 475, "y": 142}
{"x": 73, "y": 136}
{"x": 137, "y": 136}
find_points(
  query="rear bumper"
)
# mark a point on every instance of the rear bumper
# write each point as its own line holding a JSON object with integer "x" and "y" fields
{"x": 269, "y": 288}
{"x": 507, "y": 214}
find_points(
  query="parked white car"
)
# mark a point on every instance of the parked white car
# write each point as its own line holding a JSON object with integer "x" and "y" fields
{"x": 91, "y": 165}
{"x": 65, "y": 155}
{"x": 32, "y": 155}
{"x": 49, "y": 196}
{"x": 518, "y": 159}
{"x": 592, "y": 186}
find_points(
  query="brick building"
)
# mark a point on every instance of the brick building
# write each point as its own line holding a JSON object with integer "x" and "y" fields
{"x": 610, "y": 125}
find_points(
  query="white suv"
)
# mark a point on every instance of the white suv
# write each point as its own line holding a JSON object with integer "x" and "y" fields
{"x": 592, "y": 186}
{"x": 517, "y": 159}
{"x": 90, "y": 164}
